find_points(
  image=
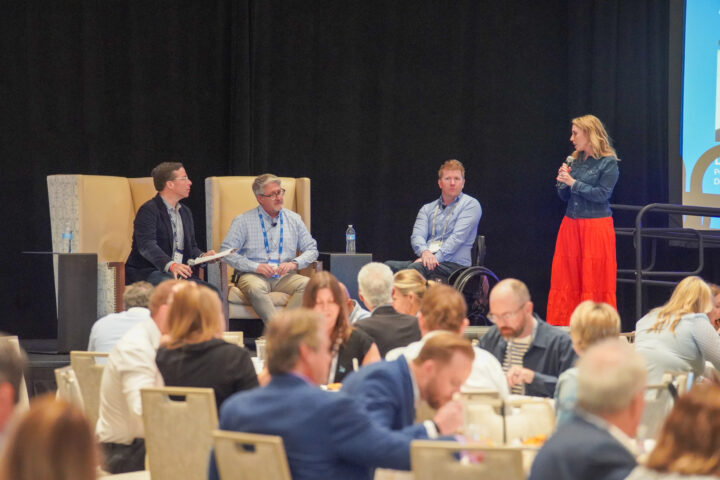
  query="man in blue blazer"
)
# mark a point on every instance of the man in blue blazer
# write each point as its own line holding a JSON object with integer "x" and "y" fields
{"x": 164, "y": 232}
{"x": 326, "y": 435}
{"x": 597, "y": 442}
{"x": 391, "y": 391}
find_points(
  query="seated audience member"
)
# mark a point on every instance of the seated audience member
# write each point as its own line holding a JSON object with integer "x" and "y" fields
{"x": 109, "y": 329}
{"x": 445, "y": 229}
{"x": 688, "y": 444}
{"x": 193, "y": 353}
{"x": 348, "y": 345}
{"x": 678, "y": 336}
{"x": 590, "y": 323}
{"x": 267, "y": 239}
{"x": 325, "y": 434}
{"x": 131, "y": 367}
{"x": 390, "y": 391}
{"x": 533, "y": 354}
{"x": 596, "y": 443}
{"x": 409, "y": 286}
{"x": 385, "y": 325}
{"x": 355, "y": 311}
{"x": 13, "y": 363}
{"x": 163, "y": 231}
{"x": 714, "y": 314}
{"x": 443, "y": 310}
{"x": 52, "y": 441}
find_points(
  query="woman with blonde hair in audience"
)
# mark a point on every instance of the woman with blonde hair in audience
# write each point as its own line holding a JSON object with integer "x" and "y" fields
{"x": 409, "y": 286}
{"x": 688, "y": 446}
{"x": 678, "y": 336}
{"x": 590, "y": 323}
{"x": 53, "y": 441}
{"x": 193, "y": 354}
{"x": 351, "y": 347}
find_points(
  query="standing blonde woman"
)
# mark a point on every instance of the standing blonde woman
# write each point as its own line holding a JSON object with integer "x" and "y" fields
{"x": 678, "y": 336}
{"x": 409, "y": 286}
{"x": 193, "y": 354}
{"x": 584, "y": 266}
{"x": 53, "y": 441}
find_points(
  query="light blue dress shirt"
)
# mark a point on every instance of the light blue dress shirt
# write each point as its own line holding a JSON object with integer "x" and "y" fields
{"x": 455, "y": 225}
{"x": 246, "y": 235}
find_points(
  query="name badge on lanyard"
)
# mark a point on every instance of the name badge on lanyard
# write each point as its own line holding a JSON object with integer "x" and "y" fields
{"x": 272, "y": 262}
{"x": 434, "y": 245}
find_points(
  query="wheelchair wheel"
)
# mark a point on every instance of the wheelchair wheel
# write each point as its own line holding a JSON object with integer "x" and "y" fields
{"x": 475, "y": 284}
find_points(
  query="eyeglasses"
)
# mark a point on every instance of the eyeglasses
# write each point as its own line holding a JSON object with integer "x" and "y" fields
{"x": 279, "y": 193}
{"x": 185, "y": 178}
{"x": 504, "y": 316}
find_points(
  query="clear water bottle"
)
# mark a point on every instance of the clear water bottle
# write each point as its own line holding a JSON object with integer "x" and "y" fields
{"x": 350, "y": 239}
{"x": 67, "y": 237}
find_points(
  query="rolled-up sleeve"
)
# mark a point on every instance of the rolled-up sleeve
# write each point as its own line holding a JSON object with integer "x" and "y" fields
{"x": 421, "y": 231}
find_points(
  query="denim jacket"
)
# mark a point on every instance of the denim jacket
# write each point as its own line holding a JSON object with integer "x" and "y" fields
{"x": 590, "y": 194}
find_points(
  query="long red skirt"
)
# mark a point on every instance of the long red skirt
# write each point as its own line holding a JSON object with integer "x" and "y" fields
{"x": 584, "y": 267}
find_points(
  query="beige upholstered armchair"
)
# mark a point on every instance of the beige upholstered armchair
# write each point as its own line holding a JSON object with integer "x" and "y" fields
{"x": 227, "y": 197}
{"x": 100, "y": 211}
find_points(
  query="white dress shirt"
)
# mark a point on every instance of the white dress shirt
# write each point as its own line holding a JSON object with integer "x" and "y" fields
{"x": 130, "y": 367}
{"x": 109, "y": 329}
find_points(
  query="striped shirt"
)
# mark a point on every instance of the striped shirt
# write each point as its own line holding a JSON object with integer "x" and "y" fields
{"x": 514, "y": 354}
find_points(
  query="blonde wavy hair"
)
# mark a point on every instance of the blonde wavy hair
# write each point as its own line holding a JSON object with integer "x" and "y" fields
{"x": 195, "y": 315}
{"x": 692, "y": 295}
{"x": 411, "y": 281}
{"x": 592, "y": 322}
{"x": 594, "y": 129}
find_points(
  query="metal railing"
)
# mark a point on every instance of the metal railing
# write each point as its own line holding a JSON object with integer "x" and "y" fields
{"x": 697, "y": 239}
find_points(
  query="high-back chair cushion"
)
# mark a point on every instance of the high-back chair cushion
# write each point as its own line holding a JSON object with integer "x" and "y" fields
{"x": 178, "y": 431}
{"x": 89, "y": 376}
{"x": 100, "y": 211}
{"x": 247, "y": 456}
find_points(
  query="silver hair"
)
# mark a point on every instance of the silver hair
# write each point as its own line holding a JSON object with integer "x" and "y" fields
{"x": 137, "y": 295}
{"x": 262, "y": 181}
{"x": 375, "y": 282}
{"x": 610, "y": 374}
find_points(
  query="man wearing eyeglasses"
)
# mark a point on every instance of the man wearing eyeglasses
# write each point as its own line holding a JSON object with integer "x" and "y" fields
{"x": 164, "y": 232}
{"x": 267, "y": 239}
{"x": 445, "y": 229}
{"x": 533, "y": 354}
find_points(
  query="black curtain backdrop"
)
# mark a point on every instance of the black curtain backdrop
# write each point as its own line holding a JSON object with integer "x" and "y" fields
{"x": 365, "y": 98}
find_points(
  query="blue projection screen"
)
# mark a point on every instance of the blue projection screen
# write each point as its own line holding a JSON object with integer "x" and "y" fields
{"x": 700, "y": 131}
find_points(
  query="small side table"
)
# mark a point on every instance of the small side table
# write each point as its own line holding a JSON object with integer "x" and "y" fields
{"x": 345, "y": 267}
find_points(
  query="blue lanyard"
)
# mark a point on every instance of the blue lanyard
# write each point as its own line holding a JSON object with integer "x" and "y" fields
{"x": 265, "y": 237}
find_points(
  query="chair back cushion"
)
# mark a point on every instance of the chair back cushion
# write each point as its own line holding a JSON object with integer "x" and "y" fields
{"x": 250, "y": 456}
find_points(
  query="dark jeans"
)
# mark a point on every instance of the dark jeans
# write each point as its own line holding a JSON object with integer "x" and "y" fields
{"x": 158, "y": 277}
{"x": 441, "y": 272}
{"x": 120, "y": 458}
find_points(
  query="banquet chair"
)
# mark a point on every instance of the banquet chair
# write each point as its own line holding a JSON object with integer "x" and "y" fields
{"x": 528, "y": 417}
{"x": 89, "y": 375}
{"x": 67, "y": 386}
{"x": 483, "y": 419}
{"x": 658, "y": 403}
{"x": 241, "y": 456}
{"x": 431, "y": 460}
{"x": 236, "y": 338}
{"x": 178, "y": 431}
{"x": 24, "y": 399}
{"x": 470, "y": 393}
{"x": 99, "y": 210}
{"x": 226, "y": 198}
{"x": 628, "y": 337}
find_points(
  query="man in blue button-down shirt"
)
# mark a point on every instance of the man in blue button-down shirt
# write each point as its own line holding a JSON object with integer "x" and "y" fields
{"x": 268, "y": 238}
{"x": 445, "y": 229}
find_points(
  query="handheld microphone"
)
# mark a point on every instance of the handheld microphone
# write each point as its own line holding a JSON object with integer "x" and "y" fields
{"x": 568, "y": 161}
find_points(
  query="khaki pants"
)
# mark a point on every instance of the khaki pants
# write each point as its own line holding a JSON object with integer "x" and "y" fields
{"x": 257, "y": 288}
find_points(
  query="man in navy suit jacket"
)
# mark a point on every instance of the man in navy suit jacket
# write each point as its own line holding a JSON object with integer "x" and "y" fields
{"x": 597, "y": 442}
{"x": 164, "y": 232}
{"x": 326, "y": 435}
{"x": 391, "y": 391}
